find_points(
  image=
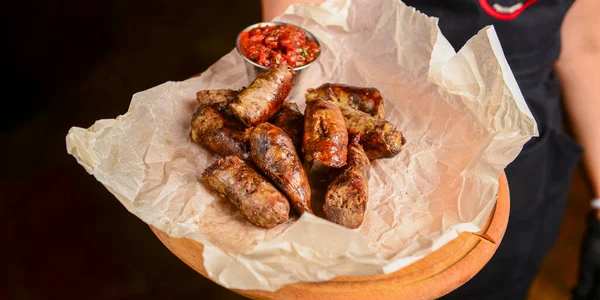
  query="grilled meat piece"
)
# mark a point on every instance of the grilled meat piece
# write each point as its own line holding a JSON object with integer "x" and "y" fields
{"x": 325, "y": 135}
{"x": 379, "y": 138}
{"x": 218, "y": 99}
{"x": 273, "y": 152}
{"x": 347, "y": 195}
{"x": 258, "y": 200}
{"x": 367, "y": 100}
{"x": 219, "y": 133}
{"x": 291, "y": 120}
{"x": 265, "y": 95}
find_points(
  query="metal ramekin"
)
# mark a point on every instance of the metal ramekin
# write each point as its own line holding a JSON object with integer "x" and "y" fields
{"x": 253, "y": 69}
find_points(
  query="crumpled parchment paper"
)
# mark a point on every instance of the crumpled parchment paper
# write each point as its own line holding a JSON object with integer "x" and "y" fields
{"x": 462, "y": 114}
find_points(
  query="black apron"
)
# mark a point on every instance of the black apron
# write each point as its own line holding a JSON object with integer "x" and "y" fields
{"x": 540, "y": 177}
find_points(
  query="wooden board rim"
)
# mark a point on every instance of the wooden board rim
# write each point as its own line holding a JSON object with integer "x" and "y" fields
{"x": 429, "y": 278}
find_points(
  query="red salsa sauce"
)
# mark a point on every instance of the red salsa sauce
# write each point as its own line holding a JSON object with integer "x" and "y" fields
{"x": 273, "y": 44}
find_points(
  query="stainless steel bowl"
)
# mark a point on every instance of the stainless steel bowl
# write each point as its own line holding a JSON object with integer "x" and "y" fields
{"x": 253, "y": 69}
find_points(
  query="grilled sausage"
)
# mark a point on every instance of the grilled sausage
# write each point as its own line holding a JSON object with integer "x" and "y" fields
{"x": 379, "y": 138}
{"x": 367, "y": 100}
{"x": 222, "y": 135}
{"x": 347, "y": 195}
{"x": 325, "y": 135}
{"x": 258, "y": 200}
{"x": 273, "y": 152}
{"x": 218, "y": 99}
{"x": 291, "y": 120}
{"x": 265, "y": 95}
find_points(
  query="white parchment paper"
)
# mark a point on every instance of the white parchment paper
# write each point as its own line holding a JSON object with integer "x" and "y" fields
{"x": 462, "y": 114}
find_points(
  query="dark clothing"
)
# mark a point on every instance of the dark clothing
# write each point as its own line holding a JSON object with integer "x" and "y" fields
{"x": 540, "y": 177}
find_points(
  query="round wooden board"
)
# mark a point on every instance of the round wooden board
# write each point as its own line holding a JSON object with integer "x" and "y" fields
{"x": 431, "y": 277}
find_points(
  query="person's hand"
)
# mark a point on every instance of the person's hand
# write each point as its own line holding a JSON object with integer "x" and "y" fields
{"x": 588, "y": 286}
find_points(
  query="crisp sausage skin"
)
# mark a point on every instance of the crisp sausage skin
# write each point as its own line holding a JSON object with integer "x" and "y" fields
{"x": 256, "y": 198}
{"x": 325, "y": 135}
{"x": 368, "y": 100}
{"x": 265, "y": 95}
{"x": 347, "y": 195}
{"x": 379, "y": 138}
{"x": 291, "y": 120}
{"x": 219, "y": 133}
{"x": 273, "y": 152}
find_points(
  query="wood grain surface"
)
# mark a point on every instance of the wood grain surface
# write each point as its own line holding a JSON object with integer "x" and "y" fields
{"x": 433, "y": 276}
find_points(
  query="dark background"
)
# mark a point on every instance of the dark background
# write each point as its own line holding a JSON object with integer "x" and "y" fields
{"x": 70, "y": 63}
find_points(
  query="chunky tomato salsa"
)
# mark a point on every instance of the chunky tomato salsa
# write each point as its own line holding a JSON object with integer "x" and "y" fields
{"x": 271, "y": 45}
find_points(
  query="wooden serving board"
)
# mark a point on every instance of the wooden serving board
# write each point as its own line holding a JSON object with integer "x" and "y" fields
{"x": 431, "y": 277}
